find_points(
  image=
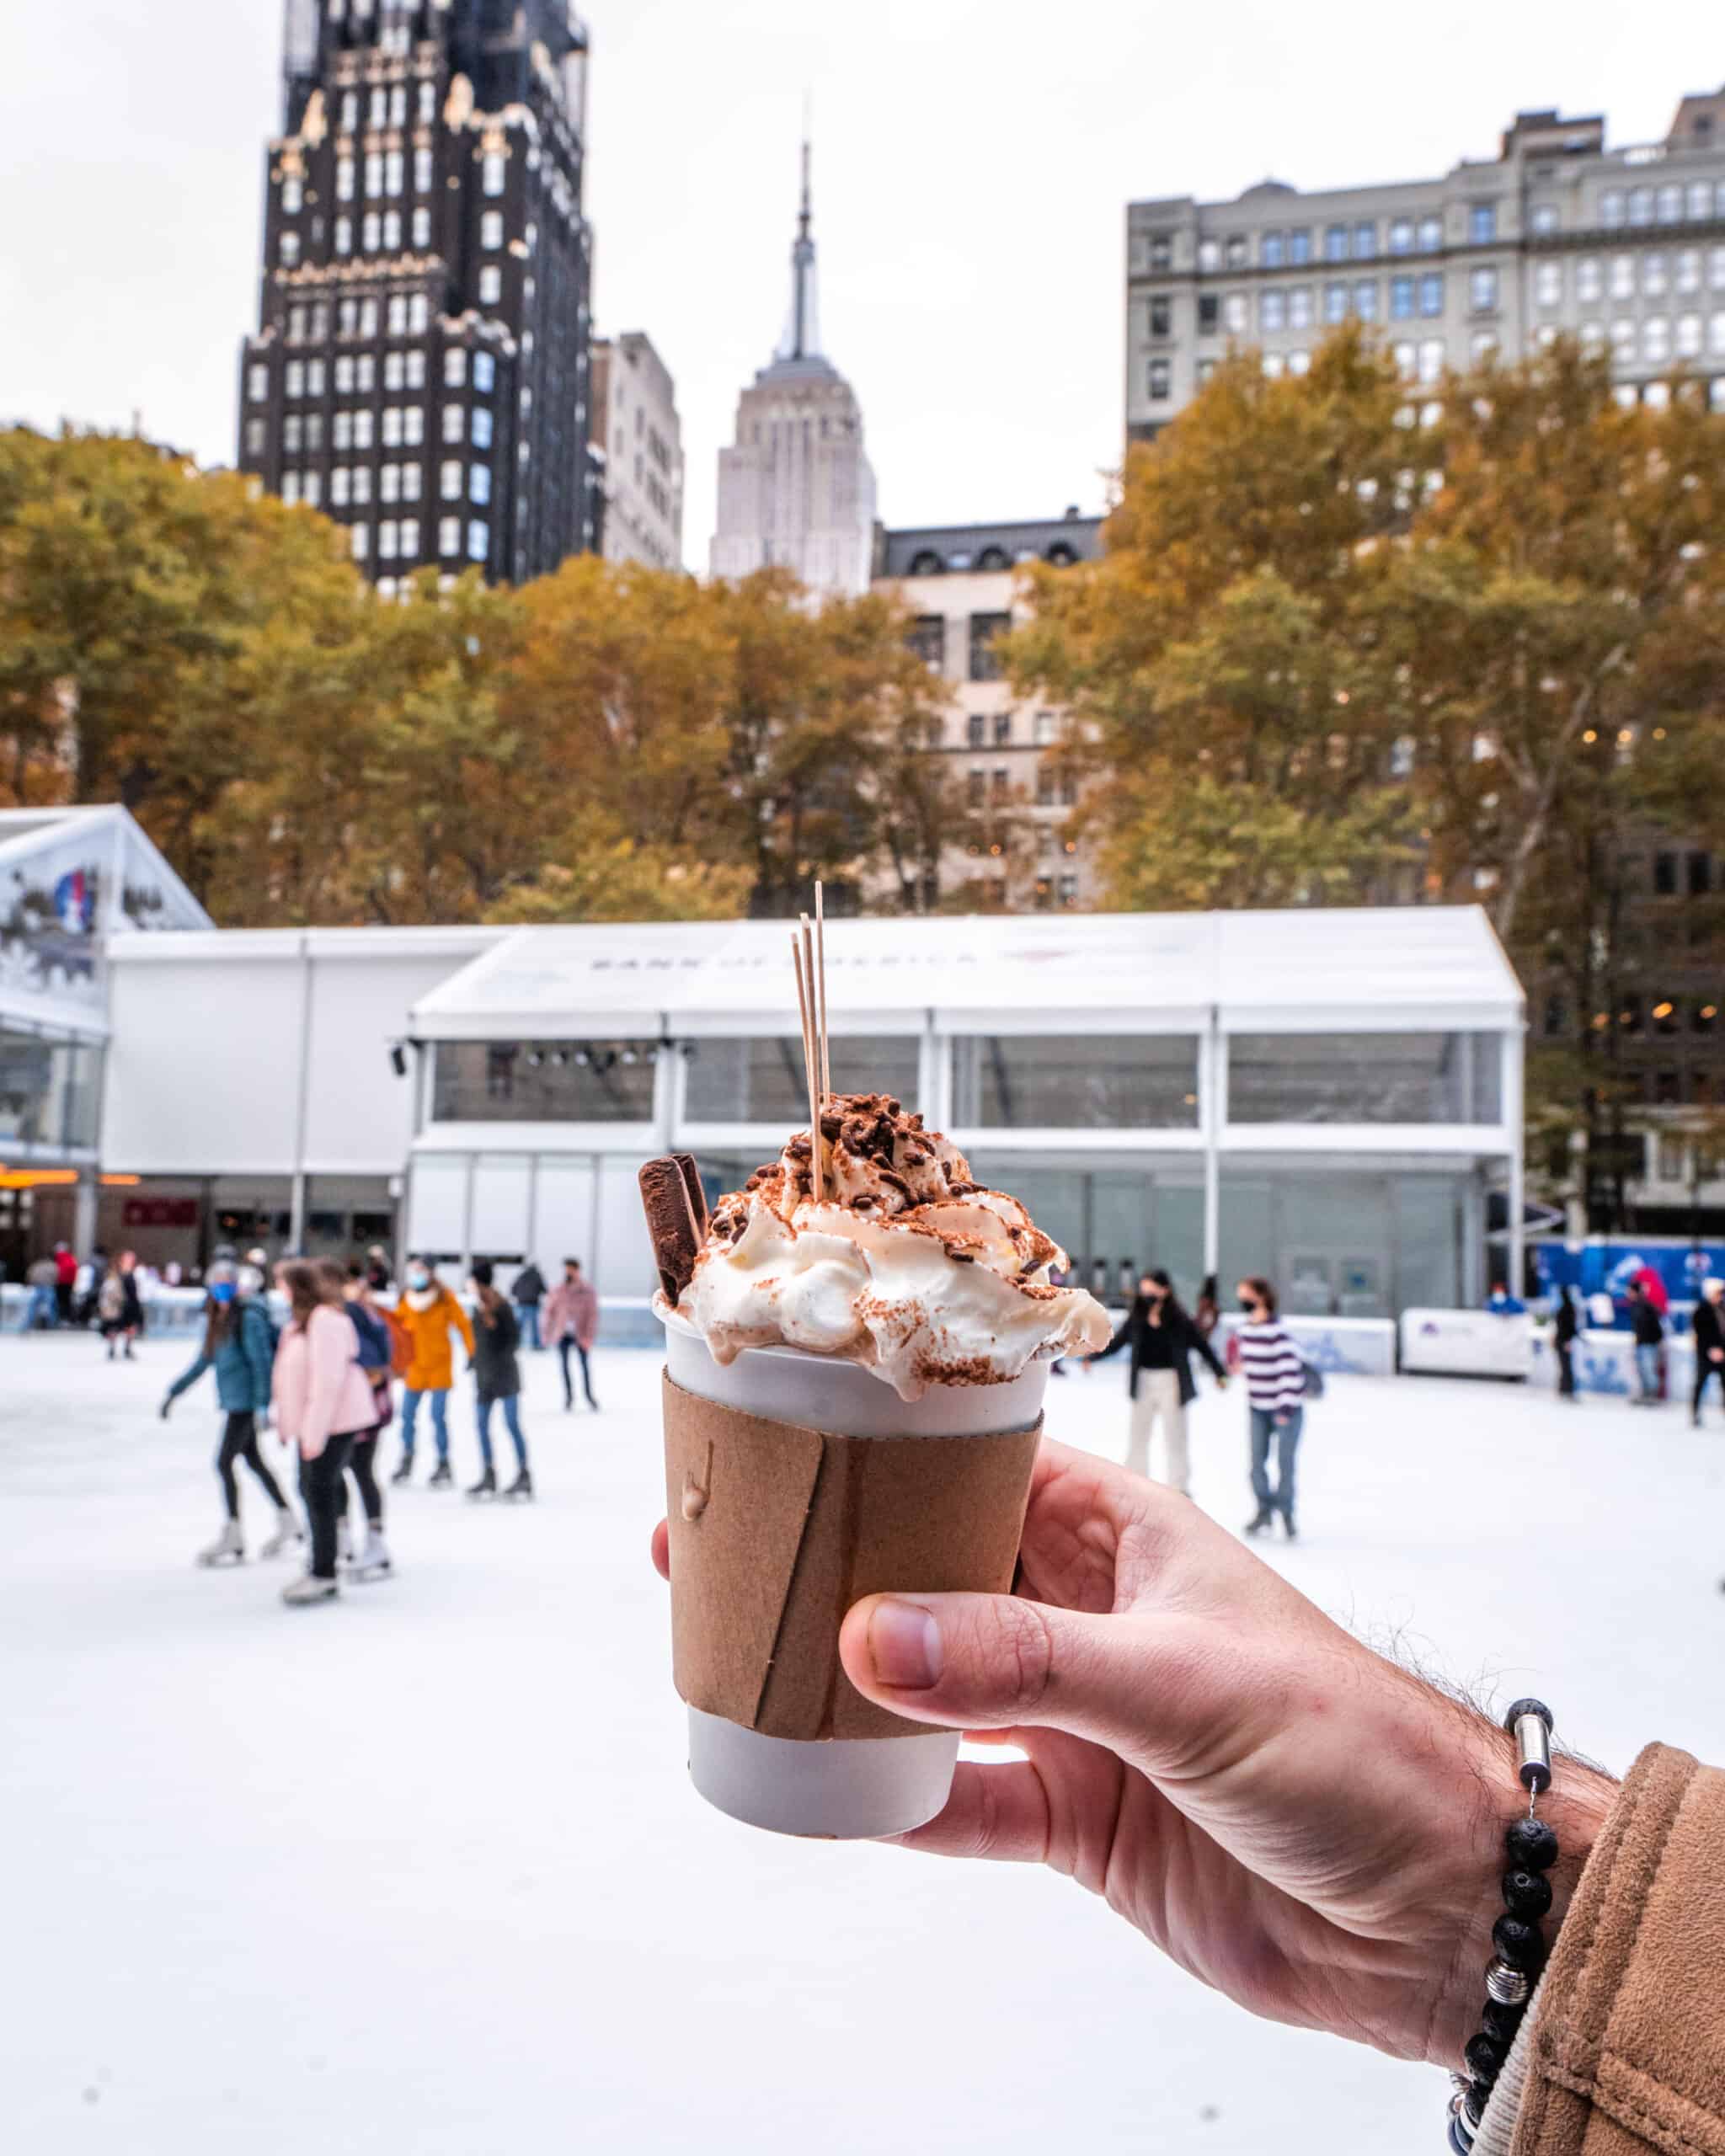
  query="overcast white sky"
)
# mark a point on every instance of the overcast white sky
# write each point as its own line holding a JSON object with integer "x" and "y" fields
{"x": 973, "y": 161}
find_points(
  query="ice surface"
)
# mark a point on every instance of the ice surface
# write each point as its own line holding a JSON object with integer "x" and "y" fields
{"x": 422, "y": 1874}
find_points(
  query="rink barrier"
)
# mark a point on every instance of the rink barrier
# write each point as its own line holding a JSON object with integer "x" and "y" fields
{"x": 178, "y": 1314}
{"x": 1357, "y": 1346}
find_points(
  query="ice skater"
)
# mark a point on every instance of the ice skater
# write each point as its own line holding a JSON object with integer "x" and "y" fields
{"x": 1275, "y": 1385}
{"x": 239, "y": 1345}
{"x": 1649, "y": 1330}
{"x": 1709, "y": 1322}
{"x": 429, "y": 1314}
{"x": 1163, "y": 1340}
{"x": 1566, "y": 1333}
{"x": 119, "y": 1306}
{"x": 527, "y": 1293}
{"x": 497, "y": 1373}
{"x": 572, "y": 1321}
{"x": 376, "y": 1342}
{"x": 322, "y": 1401}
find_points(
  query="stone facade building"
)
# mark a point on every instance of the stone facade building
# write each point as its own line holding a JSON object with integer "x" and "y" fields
{"x": 637, "y": 439}
{"x": 960, "y": 583}
{"x": 1622, "y": 247}
{"x": 420, "y": 371}
{"x": 796, "y": 489}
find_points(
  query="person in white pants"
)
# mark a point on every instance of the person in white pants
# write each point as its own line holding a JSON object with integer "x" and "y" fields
{"x": 1163, "y": 1339}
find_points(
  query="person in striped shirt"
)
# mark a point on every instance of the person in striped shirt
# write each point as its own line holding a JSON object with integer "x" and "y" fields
{"x": 1275, "y": 1386}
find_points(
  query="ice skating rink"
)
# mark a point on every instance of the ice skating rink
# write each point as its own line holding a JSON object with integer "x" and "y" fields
{"x": 420, "y": 1874}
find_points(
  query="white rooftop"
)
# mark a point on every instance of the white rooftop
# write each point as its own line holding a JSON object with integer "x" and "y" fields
{"x": 1354, "y": 969}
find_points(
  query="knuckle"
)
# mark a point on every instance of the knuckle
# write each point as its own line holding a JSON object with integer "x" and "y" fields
{"x": 1026, "y": 1659}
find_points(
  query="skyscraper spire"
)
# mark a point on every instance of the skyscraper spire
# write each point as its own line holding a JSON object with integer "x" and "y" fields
{"x": 802, "y": 337}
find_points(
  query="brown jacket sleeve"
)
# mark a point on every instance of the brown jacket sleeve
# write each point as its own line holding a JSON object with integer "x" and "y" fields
{"x": 1629, "y": 2047}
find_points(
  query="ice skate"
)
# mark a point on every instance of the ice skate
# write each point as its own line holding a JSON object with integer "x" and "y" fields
{"x": 227, "y": 1549}
{"x": 372, "y": 1562}
{"x": 486, "y": 1486}
{"x": 441, "y": 1476}
{"x": 1262, "y": 1518}
{"x": 307, "y": 1589}
{"x": 522, "y": 1487}
{"x": 344, "y": 1543}
{"x": 405, "y": 1472}
{"x": 288, "y": 1535}
{"x": 1288, "y": 1527}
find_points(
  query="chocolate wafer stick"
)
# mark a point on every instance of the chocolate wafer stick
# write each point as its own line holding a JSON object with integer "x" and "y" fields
{"x": 698, "y": 1195}
{"x": 670, "y": 1223}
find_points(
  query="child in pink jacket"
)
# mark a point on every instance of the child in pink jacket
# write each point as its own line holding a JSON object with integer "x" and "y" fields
{"x": 321, "y": 1400}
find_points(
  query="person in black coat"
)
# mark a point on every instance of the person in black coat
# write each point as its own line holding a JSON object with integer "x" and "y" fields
{"x": 497, "y": 1378}
{"x": 527, "y": 1294}
{"x": 1709, "y": 1344}
{"x": 1568, "y": 1332}
{"x": 1163, "y": 1339}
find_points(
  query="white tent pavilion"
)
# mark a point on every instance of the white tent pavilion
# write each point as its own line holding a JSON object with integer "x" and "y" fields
{"x": 1326, "y": 1096}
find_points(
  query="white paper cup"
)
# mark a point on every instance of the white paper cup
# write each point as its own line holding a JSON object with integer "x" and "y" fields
{"x": 841, "y": 1788}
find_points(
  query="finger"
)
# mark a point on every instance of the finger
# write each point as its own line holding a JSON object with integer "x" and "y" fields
{"x": 661, "y": 1551}
{"x": 996, "y": 1811}
{"x": 991, "y": 1661}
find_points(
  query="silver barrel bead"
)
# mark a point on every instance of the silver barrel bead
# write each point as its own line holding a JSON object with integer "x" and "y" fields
{"x": 1508, "y": 1987}
{"x": 1533, "y": 1741}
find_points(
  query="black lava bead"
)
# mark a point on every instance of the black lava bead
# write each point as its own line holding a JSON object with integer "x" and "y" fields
{"x": 1526, "y": 1894}
{"x": 1520, "y": 1944}
{"x": 1532, "y": 1845}
{"x": 1485, "y": 2057}
{"x": 1500, "y": 2023}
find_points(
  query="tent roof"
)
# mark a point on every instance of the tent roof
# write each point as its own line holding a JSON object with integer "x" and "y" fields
{"x": 1390, "y": 969}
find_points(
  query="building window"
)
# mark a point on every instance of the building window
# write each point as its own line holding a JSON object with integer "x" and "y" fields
{"x": 1335, "y": 243}
{"x": 294, "y": 378}
{"x": 1482, "y": 223}
{"x": 1235, "y": 250}
{"x": 484, "y": 372}
{"x": 1160, "y": 381}
{"x": 491, "y": 229}
{"x": 1407, "y": 360}
{"x": 1611, "y": 206}
{"x": 422, "y": 170}
{"x": 449, "y": 536}
{"x": 492, "y": 172}
{"x": 1656, "y": 338}
{"x": 490, "y": 285}
{"x": 362, "y": 429}
{"x": 1003, "y": 734}
{"x": 1272, "y": 310}
{"x": 392, "y": 230}
{"x": 415, "y": 370}
{"x": 1336, "y": 300}
{"x": 1431, "y": 293}
{"x": 479, "y": 484}
{"x": 362, "y": 484}
{"x": 1670, "y": 204}
{"x": 358, "y": 540}
{"x": 385, "y": 540}
{"x": 255, "y": 437}
{"x": 290, "y": 250}
{"x": 1688, "y": 336}
{"x": 449, "y": 480}
{"x": 344, "y": 430}
{"x": 454, "y": 422}
{"x": 1548, "y": 284}
{"x": 481, "y": 427}
{"x": 1483, "y": 290}
{"x": 258, "y": 383}
{"x": 1482, "y": 345}
{"x": 311, "y": 489}
{"x": 344, "y": 375}
{"x": 1652, "y": 275}
{"x": 1299, "y": 245}
{"x": 1060, "y": 1081}
{"x": 1365, "y": 242}
{"x": 410, "y": 483}
{"x": 339, "y": 485}
{"x": 1234, "y": 315}
{"x": 976, "y": 788}
{"x": 1299, "y": 362}
{"x": 392, "y": 426}
{"x": 1365, "y": 299}
{"x": 413, "y": 426}
{"x": 976, "y": 734}
{"x": 1401, "y": 299}
{"x": 374, "y": 172}
{"x": 291, "y": 434}
{"x": 1209, "y": 255}
{"x": 1589, "y": 278}
{"x": 314, "y": 377}
{"x": 1401, "y": 235}
{"x": 984, "y": 630}
{"x": 1544, "y": 217}
{"x": 478, "y": 541}
{"x": 1641, "y": 205}
{"x": 1431, "y": 234}
{"x": 394, "y": 370}
{"x": 409, "y": 537}
{"x": 1210, "y": 309}
{"x": 455, "y": 367}
{"x": 1045, "y": 729}
{"x": 1271, "y": 251}
{"x": 1162, "y": 251}
{"x": 344, "y": 180}
{"x": 422, "y": 228}
{"x": 1159, "y": 319}
{"x": 393, "y": 172}
{"x": 1300, "y": 307}
{"x": 1431, "y": 360}
{"x": 290, "y": 486}
{"x": 1622, "y": 277}
{"x": 928, "y": 640}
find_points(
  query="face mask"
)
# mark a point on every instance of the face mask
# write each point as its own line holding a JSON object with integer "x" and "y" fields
{"x": 1246, "y": 1304}
{"x": 223, "y": 1291}
{"x": 418, "y": 1277}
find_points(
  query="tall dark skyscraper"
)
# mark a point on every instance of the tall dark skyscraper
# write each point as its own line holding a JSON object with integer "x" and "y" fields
{"x": 420, "y": 367}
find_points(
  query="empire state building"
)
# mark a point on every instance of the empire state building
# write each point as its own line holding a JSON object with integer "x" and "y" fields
{"x": 796, "y": 489}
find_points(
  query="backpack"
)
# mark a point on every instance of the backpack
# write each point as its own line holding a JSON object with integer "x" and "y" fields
{"x": 374, "y": 1341}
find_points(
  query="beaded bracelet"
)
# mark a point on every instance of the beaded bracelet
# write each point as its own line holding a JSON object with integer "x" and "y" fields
{"x": 1515, "y": 1968}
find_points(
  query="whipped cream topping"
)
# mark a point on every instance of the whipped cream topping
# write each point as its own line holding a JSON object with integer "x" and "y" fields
{"x": 905, "y": 1264}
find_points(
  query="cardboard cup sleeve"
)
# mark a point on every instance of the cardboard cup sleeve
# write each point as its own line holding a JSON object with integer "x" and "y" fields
{"x": 776, "y": 1528}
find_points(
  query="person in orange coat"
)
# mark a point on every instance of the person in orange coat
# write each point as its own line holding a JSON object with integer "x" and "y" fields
{"x": 428, "y": 1314}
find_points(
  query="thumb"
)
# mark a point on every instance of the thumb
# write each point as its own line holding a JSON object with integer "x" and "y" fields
{"x": 996, "y": 1661}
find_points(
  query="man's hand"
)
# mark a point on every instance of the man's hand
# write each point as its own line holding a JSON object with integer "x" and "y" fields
{"x": 1298, "y": 1822}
